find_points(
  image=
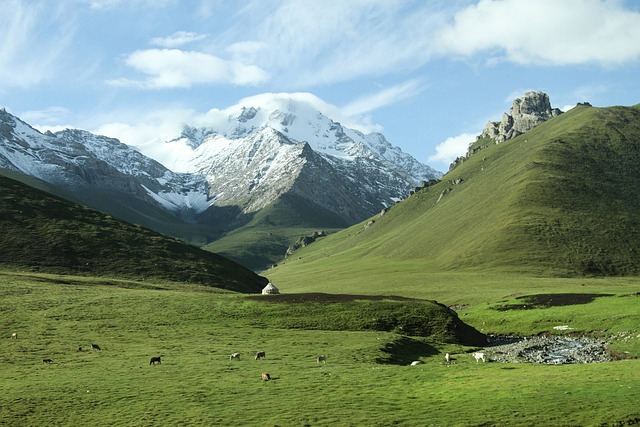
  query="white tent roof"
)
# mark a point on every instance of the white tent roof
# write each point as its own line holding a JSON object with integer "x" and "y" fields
{"x": 270, "y": 289}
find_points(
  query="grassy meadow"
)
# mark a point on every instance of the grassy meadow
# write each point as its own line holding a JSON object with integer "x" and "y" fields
{"x": 365, "y": 381}
{"x": 554, "y": 211}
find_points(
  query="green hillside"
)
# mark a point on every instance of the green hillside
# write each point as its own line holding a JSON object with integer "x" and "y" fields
{"x": 560, "y": 200}
{"x": 127, "y": 208}
{"x": 45, "y": 233}
{"x": 264, "y": 240}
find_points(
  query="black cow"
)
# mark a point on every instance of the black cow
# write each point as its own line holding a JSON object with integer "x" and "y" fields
{"x": 155, "y": 360}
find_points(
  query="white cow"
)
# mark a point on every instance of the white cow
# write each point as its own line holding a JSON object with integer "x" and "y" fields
{"x": 417, "y": 362}
{"x": 447, "y": 357}
{"x": 14, "y": 336}
{"x": 234, "y": 356}
{"x": 479, "y": 356}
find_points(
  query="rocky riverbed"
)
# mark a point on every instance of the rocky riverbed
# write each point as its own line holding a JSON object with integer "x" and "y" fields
{"x": 552, "y": 350}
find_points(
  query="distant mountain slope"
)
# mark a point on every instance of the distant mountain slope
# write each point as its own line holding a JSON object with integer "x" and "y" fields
{"x": 45, "y": 233}
{"x": 561, "y": 199}
{"x": 265, "y": 239}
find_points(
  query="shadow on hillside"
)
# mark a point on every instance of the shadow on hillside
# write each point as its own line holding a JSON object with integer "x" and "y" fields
{"x": 324, "y": 298}
{"x": 404, "y": 350}
{"x": 550, "y": 300}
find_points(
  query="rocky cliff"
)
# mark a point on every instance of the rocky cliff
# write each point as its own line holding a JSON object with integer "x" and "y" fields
{"x": 526, "y": 113}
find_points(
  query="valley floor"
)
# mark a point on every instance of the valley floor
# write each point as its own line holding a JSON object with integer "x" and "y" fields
{"x": 196, "y": 383}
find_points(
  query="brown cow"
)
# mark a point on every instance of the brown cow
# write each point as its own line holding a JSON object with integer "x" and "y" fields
{"x": 266, "y": 376}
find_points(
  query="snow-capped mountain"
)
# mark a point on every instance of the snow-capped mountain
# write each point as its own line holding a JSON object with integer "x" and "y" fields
{"x": 275, "y": 143}
{"x": 76, "y": 159}
{"x": 274, "y": 150}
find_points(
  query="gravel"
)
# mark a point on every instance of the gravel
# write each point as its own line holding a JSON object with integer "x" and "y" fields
{"x": 551, "y": 350}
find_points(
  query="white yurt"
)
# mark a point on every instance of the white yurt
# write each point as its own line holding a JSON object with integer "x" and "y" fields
{"x": 270, "y": 289}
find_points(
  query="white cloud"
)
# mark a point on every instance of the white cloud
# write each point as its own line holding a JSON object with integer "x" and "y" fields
{"x": 297, "y": 44}
{"x": 383, "y": 98}
{"x": 245, "y": 52}
{"x": 280, "y": 101}
{"x": 451, "y": 148}
{"x": 99, "y": 5}
{"x": 179, "y": 38}
{"x": 148, "y": 132}
{"x": 46, "y": 116}
{"x": 174, "y": 68}
{"x": 545, "y": 32}
{"x": 566, "y": 108}
{"x": 34, "y": 36}
{"x": 313, "y": 43}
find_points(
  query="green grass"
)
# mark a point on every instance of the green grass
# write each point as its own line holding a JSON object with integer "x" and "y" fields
{"x": 195, "y": 328}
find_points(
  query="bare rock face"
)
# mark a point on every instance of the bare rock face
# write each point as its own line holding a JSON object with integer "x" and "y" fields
{"x": 526, "y": 113}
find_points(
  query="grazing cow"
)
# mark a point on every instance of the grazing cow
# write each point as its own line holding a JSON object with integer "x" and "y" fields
{"x": 80, "y": 348}
{"x": 95, "y": 346}
{"x": 266, "y": 376}
{"x": 155, "y": 360}
{"x": 14, "y": 336}
{"x": 260, "y": 355}
{"x": 447, "y": 357}
{"x": 479, "y": 356}
{"x": 234, "y": 356}
{"x": 47, "y": 361}
{"x": 322, "y": 359}
{"x": 417, "y": 362}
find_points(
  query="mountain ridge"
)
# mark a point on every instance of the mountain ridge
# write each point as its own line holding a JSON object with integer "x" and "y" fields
{"x": 230, "y": 173}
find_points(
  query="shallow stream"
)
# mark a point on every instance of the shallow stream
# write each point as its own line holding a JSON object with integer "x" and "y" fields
{"x": 552, "y": 350}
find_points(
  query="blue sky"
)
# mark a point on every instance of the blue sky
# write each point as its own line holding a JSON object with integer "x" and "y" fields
{"x": 428, "y": 74}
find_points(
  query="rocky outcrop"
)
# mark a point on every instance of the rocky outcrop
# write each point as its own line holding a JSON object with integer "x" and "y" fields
{"x": 305, "y": 241}
{"x": 526, "y": 113}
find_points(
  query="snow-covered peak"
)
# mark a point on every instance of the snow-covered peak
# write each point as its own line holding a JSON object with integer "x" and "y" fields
{"x": 75, "y": 158}
{"x": 301, "y": 118}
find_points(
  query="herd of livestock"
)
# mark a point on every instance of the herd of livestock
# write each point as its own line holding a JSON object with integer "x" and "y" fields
{"x": 157, "y": 360}
{"x": 479, "y": 356}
